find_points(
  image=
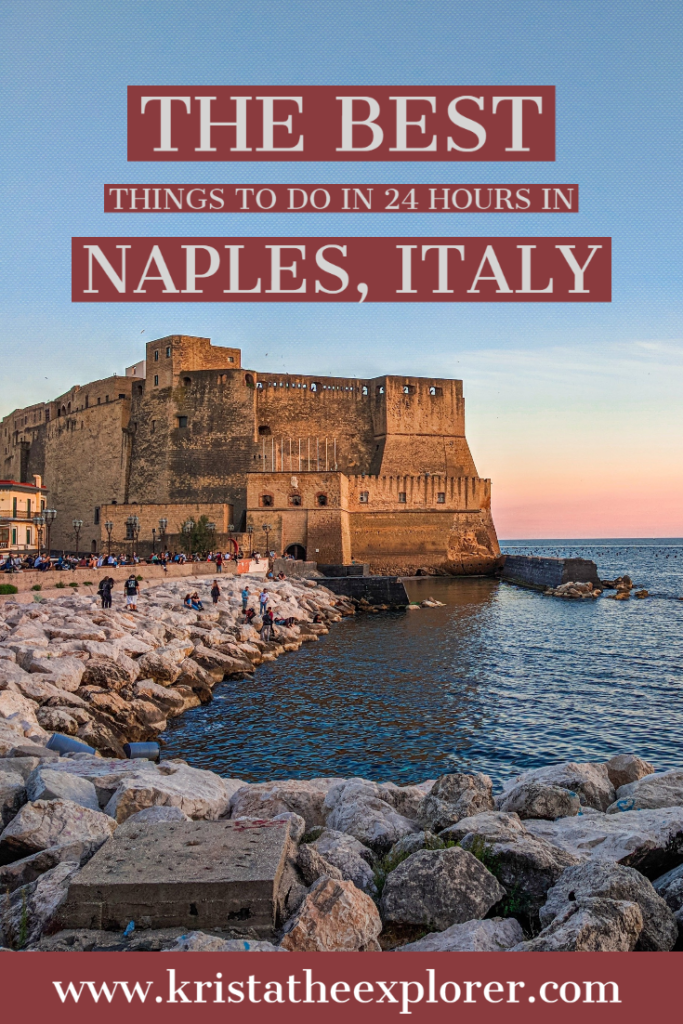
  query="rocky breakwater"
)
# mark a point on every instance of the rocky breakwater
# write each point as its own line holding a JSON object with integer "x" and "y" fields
{"x": 111, "y": 676}
{"x": 100, "y": 854}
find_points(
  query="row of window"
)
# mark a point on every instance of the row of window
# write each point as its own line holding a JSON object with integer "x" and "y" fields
{"x": 268, "y": 501}
{"x": 16, "y": 533}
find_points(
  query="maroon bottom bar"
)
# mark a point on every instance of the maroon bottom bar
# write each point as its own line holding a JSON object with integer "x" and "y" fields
{"x": 480, "y": 987}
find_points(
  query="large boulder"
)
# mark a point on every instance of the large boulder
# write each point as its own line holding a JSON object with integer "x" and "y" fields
{"x": 57, "y": 720}
{"x": 65, "y": 673}
{"x": 199, "y": 794}
{"x": 354, "y": 860}
{"x": 165, "y": 697}
{"x": 453, "y": 797}
{"x": 405, "y": 799}
{"x": 46, "y": 784}
{"x": 12, "y": 795}
{"x": 533, "y": 799}
{"x": 590, "y": 782}
{"x": 334, "y": 917}
{"x": 106, "y": 673}
{"x": 615, "y": 882}
{"x": 665, "y": 789}
{"x": 495, "y": 935}
{"x": 313, "y": 865}
{"x": 410, "y": 844}
{"x": 626, "y": 768}
{"x": 525, "y": 865}
{"x": 27, "y": 869}
{"x": 45, "y": 823}
{"x": 161, "y": 665}
{"x": 438, "y": 888}
{"x": 649, "y": 841}
{"x": 267, "y": 799}
{"x": 28, "y": 910}
{"x": 498, "y": 826}
{"x": 589, "y": 926}
{"x": 356, "y": 808}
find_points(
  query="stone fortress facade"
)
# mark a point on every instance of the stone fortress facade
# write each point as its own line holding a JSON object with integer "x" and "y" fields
{"x": 337, "y": 469}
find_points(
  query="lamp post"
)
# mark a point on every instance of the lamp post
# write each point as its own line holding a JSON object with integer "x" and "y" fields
{"x": 78, "y": 526}
{"x": 231, "y": 530}
{"x": 250, "y": 530}
{"x": 211, "y": 527}
{"x": 188, "y": 527}
{"x": 133, "y": 524}
{"x": 50, "y": 516}
{"x": 109, "y": 526}
{"x": 39, "y": 523}
{"x": 154, "y": 538}
{"x": 163, "y": 523}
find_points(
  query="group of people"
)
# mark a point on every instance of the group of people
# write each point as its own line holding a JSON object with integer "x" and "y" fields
{"x": 131, "y": 589}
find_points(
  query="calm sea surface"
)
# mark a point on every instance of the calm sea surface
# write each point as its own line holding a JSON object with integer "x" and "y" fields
{"x": 499, "y": 680}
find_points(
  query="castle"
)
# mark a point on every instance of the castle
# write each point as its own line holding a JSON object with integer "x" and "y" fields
{"x": 330, "y": 469}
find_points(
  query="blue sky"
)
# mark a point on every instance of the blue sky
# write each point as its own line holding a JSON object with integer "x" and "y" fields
{"x": 571, "y": 408}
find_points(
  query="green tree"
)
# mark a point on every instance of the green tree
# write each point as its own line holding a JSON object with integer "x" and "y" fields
{"x": 199, "y": 539}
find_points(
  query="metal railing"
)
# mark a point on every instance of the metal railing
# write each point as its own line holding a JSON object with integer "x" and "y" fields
{"x": 299, "y": 455}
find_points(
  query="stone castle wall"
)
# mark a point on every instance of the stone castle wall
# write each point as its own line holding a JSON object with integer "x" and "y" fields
{"x": 200, "y": 425}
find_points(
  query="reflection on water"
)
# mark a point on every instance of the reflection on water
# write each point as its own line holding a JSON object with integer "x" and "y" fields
{"x": 498, "y": 680}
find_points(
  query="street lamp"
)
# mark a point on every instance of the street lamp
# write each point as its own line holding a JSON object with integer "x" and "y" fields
{"x": 109, "y": 526}
{"x": 39, "y": 523}
{"x": 163, "y": 523}
{"x": 133, "y": 524}
{"x": 154, "y": 539}
{"x": 250, "y": 530}
{"x": 50, "y": 516}
{"x": 78, "y": 526}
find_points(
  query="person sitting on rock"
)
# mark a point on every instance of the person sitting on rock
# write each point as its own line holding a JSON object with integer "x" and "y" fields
{"x": 196, "y": 603}
{"x": 188, "y": 601}
{"x": 249, "y": 615}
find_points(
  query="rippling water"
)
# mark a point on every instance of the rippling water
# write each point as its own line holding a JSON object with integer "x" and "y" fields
{"x": 499, "y": 680}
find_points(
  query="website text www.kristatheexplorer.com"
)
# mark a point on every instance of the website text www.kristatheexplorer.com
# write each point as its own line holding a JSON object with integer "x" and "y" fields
{"x": 426, "y": 988}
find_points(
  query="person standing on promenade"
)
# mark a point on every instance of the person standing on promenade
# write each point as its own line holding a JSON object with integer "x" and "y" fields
{"x": 215, "y": 592}
{"x": 219, "y": 562}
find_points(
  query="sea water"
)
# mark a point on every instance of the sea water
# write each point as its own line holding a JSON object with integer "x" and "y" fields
{"x": 499, "y": 680}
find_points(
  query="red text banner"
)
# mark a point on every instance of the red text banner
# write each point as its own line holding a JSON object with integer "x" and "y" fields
{"x": 337, "y": 198}
{"x": 329, "y": 122}
{"x": 307, "y": 269}
{"x": 610, "y": 988}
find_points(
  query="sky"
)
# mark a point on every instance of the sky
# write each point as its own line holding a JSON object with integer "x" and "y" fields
{"x": 573, "y": 410}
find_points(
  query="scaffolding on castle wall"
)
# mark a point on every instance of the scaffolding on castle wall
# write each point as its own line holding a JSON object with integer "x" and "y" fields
{"x": 299, "y": 455}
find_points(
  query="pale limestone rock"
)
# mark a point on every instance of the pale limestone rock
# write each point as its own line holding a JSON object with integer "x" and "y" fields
{"x": 438, "y": 888}
{"x": 589, "y": 926}
{"x": 356, "y": 808}
{"x": 268, "y": 799}
{"x": 199, "y": 794}
{"x": 27, "y": 912}
{"x": 495, "y": 935}
{"x": 334, "y": 917}
{"x": 589, "y": 781}
{"x": 626, "y": 768}
{"x": 46, "y": 823}
{"x": 453, "y": 797}
{"x": 665, "y": 789}
{"x": 532, "y": 799}
{"x": 45, "y": 784}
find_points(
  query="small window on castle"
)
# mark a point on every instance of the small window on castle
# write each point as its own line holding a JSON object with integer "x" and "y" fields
{"x": 182, "y": 421}
{"x": 441, "y": 498}
{"x": 96, "y": 518}
{"x": 47, "y": 415}
{"x": 364, "y": 497}
{"x": 156, "y": 380}
{"x": 154, "y": 426}
{"x": 139, "y": 389}
{"x": 295, "y": 499}
{"x": 106, "y": 398}
{"x": 231, "y": 359}
{"x": 315, "y": 385}
{"x": 259, "y": 385}
{"x": 379, "y": 390}
{"x": 249, "y": 380}
{"x": 187, "y": 381}
{"x": 156, "y": 356}
{"x": 266, "y": 501}
{"x": 402, "y": 497}
{"x": 436, "y": 392}
{"x": 264, "y": 431}
{"x": 364, "y": 389}
{"x": 168, "y": 351}
{"x": 59, "y": 411}
{"x": 99, "y": 401}
{"x": 86, "y": 401}
{"x": 122, "y": 396}
{"x": 409, "y": 389}
{"x": 322, "y": 500}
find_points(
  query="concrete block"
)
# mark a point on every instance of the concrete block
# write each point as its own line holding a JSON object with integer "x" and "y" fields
{"x": 195, "y": 874}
